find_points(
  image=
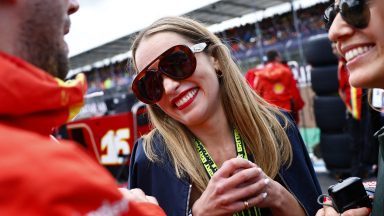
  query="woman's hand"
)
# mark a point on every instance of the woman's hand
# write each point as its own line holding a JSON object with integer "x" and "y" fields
{"x": 238, "y": 184}
{"x": 330, "y": 211}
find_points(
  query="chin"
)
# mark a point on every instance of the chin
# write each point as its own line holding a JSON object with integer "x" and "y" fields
{"x": 358, "y": 81}
{"x": 365, "y": 81}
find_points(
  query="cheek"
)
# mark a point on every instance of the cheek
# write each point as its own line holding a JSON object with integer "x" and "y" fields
{"x": 380, "y": 6}
{"x": 163, "y": 104}
{"x": 358, "y": 79}
{"x": 205, "y": 67}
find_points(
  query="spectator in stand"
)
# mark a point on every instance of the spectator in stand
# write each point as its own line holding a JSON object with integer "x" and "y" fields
{"x": 40, "y": 176}
{"x": 208, "y": 122}
{"x": 275, "y": 83}
{"x": 275, "y": 29}
{"x": 356, "y": 27}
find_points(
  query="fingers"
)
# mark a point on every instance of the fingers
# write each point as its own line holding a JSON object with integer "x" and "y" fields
{"x": 238, "y": 184}
{"x": 257, "y": 200}
{"x": 237, "y": 170}
{"x": 246, "y": 177}
{"x": 330, "y": 211}
{"x": 152, "y": 199}
{"x": 247, "y": 183}
{"x": 357, "y": 212}
{"x": 320, "y": 212}
{"x": 231, "y": 166}
{"x": 254, "y": 188}
{"x": 242, "y": 173}
{"x": 137, "y": 195}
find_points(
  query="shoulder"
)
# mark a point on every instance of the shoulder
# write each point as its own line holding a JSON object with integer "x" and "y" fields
{"x": 38, "y": 148}
{"x": 285, "y": 119}
{"x": 58, "y": 171}
{"x": 142, "y": 168}
{"x": 292, "y": 132}
{"x": 157, "y": 143}
{"x": 54, "y": 160}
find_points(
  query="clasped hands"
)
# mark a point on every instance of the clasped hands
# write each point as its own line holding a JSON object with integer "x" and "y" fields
{"x": 237, "y": 185}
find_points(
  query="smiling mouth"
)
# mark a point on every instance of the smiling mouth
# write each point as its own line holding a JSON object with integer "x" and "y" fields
{"x": 186, "y": 97}
{"x": 353, "y": 53}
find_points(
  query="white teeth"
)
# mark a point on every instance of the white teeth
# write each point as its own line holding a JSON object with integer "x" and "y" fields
{"x": 353, "y": 53}
{"x": 186, "y": 97}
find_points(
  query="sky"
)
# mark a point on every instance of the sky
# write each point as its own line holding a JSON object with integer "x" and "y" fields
{"x": 100, "y": 21}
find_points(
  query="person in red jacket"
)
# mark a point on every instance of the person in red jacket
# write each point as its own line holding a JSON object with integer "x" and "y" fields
{"x": 276, "y": 84}
{"x": 39, "y": 175}
{"x": 250, "y": 75}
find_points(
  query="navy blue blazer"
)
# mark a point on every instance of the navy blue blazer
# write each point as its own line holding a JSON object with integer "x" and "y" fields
{"x": 159, "y": 179}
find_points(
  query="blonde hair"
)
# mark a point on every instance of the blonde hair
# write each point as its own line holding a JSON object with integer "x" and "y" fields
{"x": 257, "y": 121}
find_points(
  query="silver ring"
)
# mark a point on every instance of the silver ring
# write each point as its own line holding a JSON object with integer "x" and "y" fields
{"x": 246, "y": 204}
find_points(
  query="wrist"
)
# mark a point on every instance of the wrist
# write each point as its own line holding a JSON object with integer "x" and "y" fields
{"x": 279, "y": 201}
{"x": 286, "y": 204}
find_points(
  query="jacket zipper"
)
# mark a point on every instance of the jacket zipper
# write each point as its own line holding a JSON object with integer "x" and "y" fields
{"x": 289, "y": 189}
{"x": 189, "y": 196}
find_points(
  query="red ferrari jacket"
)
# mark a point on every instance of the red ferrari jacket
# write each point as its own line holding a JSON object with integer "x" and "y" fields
{"x": 40, "y": 176}
{"x": 275, "y": 83}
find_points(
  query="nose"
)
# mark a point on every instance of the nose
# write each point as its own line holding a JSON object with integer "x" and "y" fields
{"x": 73, "y": 6}
{"x": 340, "y": 29}
{"x": 170, "y": 85}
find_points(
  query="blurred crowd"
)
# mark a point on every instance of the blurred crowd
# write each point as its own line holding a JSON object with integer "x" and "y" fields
{"x": 278, "y": 28}
{"x": 109, "y": 77}
{"x": 241, "y": 39}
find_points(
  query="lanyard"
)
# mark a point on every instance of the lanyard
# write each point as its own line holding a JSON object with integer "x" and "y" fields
{"x": 207, "y": 160}
{"x": 211, "y": 167}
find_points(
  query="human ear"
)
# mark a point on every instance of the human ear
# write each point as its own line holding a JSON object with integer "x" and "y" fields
{"x": 215, "y": 63}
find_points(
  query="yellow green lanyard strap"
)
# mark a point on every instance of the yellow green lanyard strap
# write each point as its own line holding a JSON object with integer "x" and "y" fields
{"x": 211, "y": 167}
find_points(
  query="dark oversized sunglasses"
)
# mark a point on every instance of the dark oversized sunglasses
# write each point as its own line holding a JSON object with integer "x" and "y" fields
{"x": 354, "y": 12}
{"x": 178, "y": 63}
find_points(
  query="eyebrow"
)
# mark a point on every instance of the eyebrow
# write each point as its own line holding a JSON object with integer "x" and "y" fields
{"x": 150, "y": 65}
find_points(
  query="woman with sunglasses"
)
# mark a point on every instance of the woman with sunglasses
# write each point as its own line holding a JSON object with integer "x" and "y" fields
{"x": 217, "y": 148}
{"x": 357, "y": 28}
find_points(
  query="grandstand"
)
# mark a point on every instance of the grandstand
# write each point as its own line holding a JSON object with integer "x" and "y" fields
{"x": 247, "y": 42}
{"x": 214, "y": 13}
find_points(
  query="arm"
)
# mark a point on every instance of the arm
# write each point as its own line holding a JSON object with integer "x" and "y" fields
{"x": 283, "y": 202}
{"x": 158, "y": 179}
{"x": 306, "y": 191}
{"x": 88, "y": 188}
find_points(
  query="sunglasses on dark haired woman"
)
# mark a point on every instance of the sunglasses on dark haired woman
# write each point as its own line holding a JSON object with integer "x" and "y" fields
{"x": 178, "y": 63}
{"x": 354, "y": 12}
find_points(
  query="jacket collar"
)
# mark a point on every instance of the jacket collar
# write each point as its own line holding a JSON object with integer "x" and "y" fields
{"x": 32, "y": 99}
